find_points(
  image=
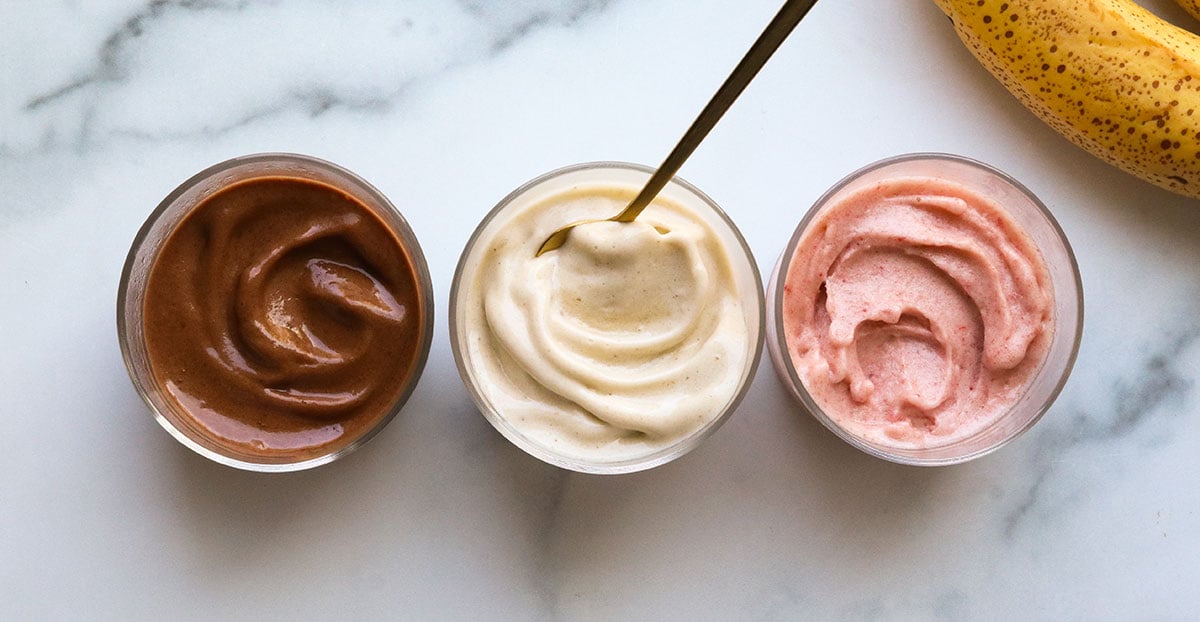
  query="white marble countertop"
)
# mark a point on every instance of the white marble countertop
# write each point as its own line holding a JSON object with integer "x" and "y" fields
{"x": 446, "y": 106}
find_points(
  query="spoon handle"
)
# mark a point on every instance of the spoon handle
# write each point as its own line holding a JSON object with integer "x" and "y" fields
{"x": 778, "y": 30}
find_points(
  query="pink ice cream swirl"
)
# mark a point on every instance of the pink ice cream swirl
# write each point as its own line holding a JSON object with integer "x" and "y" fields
{"x": 916, "y": 311}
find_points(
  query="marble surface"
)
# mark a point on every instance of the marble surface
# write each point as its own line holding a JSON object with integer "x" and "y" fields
{"x": 446, "y": 106}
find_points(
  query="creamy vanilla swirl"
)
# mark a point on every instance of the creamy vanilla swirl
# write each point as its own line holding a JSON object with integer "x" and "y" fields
{"x": 916, "y": 311}
{"x": 624, "y": 341}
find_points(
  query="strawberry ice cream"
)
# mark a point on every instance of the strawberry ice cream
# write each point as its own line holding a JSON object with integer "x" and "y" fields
{"x": 916, "y": 311}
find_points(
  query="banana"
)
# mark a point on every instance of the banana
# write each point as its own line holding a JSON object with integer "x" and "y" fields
{"x": 1191, "y": 6}
{"x": 1106, "y": 74}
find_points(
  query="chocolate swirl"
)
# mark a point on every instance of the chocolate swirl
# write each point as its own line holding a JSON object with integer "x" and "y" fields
{"x": 283, "y": 315}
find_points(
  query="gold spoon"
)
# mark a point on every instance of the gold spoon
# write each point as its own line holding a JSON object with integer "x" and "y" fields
{"x": 778, "y": 30}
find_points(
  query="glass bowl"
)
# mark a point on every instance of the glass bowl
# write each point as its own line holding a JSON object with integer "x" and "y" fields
{"x": 167, "y": 409}
{"x": 1066, "y": 312}
{"x": 505, "y": 392}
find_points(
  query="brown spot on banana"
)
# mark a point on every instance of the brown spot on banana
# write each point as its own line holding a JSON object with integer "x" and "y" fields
{"x": 1107, "y": 74}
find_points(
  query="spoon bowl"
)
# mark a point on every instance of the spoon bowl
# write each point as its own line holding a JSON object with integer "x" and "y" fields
{"x": 772, "y": 37}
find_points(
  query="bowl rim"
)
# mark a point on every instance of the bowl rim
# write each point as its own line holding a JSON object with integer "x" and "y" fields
{"x": 394, "y": 221}
{"x": 655, "y": 459}
{"x": 778, "y": 338}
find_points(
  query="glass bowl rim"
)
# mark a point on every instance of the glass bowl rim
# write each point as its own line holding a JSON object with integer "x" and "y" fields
{"x": 780, "y": 339}
{"x": 398, "y": 225}
{"x": 658, "y": 458}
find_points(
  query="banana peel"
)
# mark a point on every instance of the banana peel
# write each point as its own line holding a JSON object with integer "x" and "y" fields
{"x": 1108, "y": 75}
{"x": 1191, "y": 6}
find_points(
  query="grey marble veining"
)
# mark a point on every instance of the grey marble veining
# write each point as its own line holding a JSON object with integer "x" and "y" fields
{"x": 109, "y": 67}
{"x": 83, "y": 108}
{"x": 447, "y": 106}
{"x": 1159, "y": 388}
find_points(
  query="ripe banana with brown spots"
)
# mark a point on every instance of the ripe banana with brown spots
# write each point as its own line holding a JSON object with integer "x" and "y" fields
{"x": 1107, "y": 74}
{"x": 1191, "y": 6}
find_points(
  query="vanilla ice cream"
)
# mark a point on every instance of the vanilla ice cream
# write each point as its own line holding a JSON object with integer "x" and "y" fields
{"x": 627, "y": 341}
